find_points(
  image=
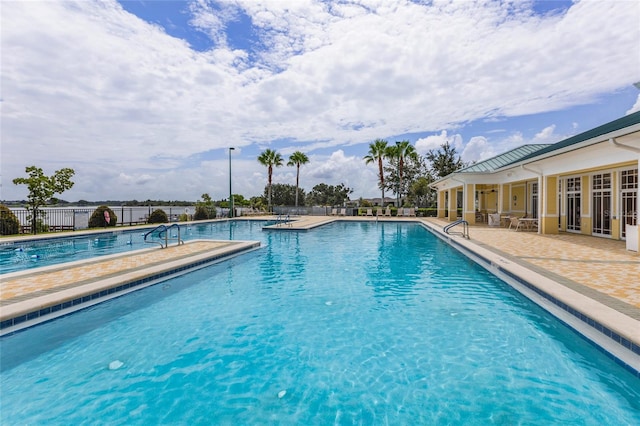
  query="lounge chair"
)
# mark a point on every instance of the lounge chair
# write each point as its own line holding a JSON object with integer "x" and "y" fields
{"x": 334, "y": 212}
{"x": 369, "y": 212}
{"x": 379, "y": 211}
{"x": 494, "y": 219}
{"x": 343, "y": 212}
{"x": 400, "y": 212}
{"x": 515, "y": 222}
{"x": 387, "y": 212}
{"x": 412, "y": 212}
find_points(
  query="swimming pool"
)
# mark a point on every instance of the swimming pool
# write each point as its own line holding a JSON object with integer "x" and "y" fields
{"x": 23, "y": 255}
{"x": 349, "y": 323}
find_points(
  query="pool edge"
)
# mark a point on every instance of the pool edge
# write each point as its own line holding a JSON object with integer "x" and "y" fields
{"x": 618, "y": 343}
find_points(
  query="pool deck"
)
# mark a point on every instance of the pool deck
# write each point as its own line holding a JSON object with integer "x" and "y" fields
{"x": 594, "y": 276}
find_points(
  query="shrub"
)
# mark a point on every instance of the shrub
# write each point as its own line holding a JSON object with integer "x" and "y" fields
{"x": 158, "y": 216}
{"x": 9, "y": 223}
{"x": 41, "y": 226}
{"x": 98, "y": 218}
{"x": 183, "y": 217}
{"x": 201, "y": 213}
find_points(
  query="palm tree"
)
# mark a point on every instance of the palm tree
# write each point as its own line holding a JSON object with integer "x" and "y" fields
{"x": 401, "y": 151}
{"x": 297, "y": 159}
{"x": 270, "y": 158}
{"x": 378, "y": 152}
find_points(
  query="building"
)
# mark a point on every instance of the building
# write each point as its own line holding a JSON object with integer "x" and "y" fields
{"x": 585, "y": 184}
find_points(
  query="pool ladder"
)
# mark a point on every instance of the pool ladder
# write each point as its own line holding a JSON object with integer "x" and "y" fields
{"x": 162, "y": 232}
{"x": 465, "y": 228}
{"x": 283, "y": 219}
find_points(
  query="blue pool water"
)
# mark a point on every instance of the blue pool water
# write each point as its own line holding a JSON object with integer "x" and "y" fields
{"x": 357, "y": 323}
{"x": 20, "y": 256}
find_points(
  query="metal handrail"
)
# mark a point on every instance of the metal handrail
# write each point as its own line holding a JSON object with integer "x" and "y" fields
{"x": 160, "y": 229}
{"x": 465, "y": 228}
{"x": 283, "y": 219}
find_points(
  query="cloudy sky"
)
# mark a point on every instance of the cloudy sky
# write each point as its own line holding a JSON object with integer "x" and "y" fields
{"x": 144, "y": 98}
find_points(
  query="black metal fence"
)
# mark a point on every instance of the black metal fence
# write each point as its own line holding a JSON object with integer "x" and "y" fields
{"x": 56, "y": 219}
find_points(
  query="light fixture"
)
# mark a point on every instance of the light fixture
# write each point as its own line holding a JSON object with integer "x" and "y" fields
{"x": 230, "y": 193}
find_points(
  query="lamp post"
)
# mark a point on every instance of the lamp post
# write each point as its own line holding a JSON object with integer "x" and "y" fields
{"x": 398, "y": 183}
{"x": 230, "y": 193}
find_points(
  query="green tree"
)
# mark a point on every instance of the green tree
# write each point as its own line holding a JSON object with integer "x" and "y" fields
{"x": 270, "y": 159}
{"x": 399, "y": 154}
{"x": 285, "y": 194}
{"x": 42, "y": 188}
{"x": 297, "y": 159}
{"x": 377, "y": 153}
{"x": 328, "y": 195}
{"x": 413, "y": 168}
{"x": 205, "y": 209}
{"x": 239, "y": 200}
{"x": 444, "y": 161}
{"x": 257, "y": 203}
{"x": 420, "y": 193}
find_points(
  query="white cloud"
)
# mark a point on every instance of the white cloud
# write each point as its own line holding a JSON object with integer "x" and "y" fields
{"x": 477, "y": 149}
{"x": 635, "y": 107}
{"x": 546, "y": 135}
{"x": 434, "y": 142}
{"x": 89, "y": 86}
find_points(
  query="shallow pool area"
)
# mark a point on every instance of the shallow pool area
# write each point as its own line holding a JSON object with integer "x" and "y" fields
{"x": 36, "y": 253}
{"x": 368, "y": 323}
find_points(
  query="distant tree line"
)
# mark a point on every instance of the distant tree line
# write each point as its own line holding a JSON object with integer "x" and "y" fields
{"x": 401, "y": 170}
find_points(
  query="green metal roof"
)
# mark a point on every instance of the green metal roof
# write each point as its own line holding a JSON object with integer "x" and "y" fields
{"x": 504, "y": 159}
{"x": 621, "y": 123}
{"x": 529, "y": 152}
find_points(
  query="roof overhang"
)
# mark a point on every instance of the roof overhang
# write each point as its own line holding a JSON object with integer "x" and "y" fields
{"x": 617, "y": 147}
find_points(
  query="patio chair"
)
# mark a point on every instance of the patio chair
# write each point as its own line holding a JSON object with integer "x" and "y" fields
{"x": 400, "y": 212}
{"x": 515, "y": 222}
{"x": 387, "y": 212}
{"x": 379, "y": 211}
{"x": 343, "y": 212}
{"x": 369, "y": 212}
{"x": 412, "y": 212}
{"x": 494, "y": 219}
{"x": 334, "y": 212}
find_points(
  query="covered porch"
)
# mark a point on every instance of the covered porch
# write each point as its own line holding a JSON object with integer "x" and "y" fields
{"x": 587, "y": 184}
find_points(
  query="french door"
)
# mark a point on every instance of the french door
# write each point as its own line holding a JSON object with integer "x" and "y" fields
{"x": 534, "y": 200}
{"x": 573, "y": 204}
{"x": 628, "y": 199}
{"x": 601, "y": 206}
